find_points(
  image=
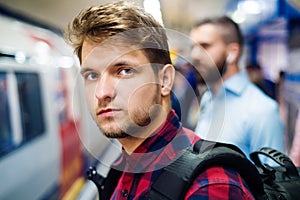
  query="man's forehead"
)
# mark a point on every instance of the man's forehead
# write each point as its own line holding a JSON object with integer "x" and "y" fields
{"x": 100, "y": 56}
{"x": 87, "y": 48}
{"x": 92, "y": 50}
{"x": 207, "y": 33}
{"x": 105, "y": 55}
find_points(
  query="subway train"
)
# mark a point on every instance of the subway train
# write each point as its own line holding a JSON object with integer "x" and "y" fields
{"x": 47, "y": 137}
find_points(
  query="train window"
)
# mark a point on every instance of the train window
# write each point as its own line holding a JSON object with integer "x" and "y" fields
{"x": 6, "y": 141}
{"x": 30, "y": 105}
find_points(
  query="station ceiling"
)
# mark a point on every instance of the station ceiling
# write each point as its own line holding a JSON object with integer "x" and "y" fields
{"x": 177, "y": 14}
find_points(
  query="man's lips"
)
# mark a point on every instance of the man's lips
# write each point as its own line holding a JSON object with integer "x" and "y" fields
{"x": 108, "y": 112}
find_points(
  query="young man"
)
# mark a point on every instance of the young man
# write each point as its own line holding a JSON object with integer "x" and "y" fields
{"x": 128, "y": 76}
{"x": 233, "y": 110}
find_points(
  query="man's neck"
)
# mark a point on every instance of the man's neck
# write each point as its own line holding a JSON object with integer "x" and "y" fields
{"x": 130, "y": 143}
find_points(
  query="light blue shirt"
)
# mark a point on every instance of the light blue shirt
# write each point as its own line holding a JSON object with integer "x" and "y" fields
{"x": 241, "y": 114}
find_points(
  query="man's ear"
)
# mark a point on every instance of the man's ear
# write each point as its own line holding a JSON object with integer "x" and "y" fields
{"x": 233, "y": 53}
{"x": 231, "y": 57}
{"x": 167, "y": 79}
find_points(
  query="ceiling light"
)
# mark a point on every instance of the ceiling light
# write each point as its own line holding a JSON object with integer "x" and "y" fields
{"x": 153, "y": 7}
{"x": 252, "y": 7}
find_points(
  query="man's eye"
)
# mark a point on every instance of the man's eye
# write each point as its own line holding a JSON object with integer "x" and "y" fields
{"x": 126, "y": 71}
{"x": 91, "y": 76}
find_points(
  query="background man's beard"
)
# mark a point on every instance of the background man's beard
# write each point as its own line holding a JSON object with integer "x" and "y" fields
{"x": 213, "y": 76}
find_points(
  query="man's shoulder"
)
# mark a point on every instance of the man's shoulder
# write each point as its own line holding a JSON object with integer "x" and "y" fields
{"x": 218, "y": 175}
{"x": 191, "y": 134}
{"x": 215, "y": 181}
{"x": 258, "y": 98}
{"x": 205, "y": 168}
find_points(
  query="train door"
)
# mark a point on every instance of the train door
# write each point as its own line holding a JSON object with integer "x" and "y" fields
{"x": 30, "y": 149}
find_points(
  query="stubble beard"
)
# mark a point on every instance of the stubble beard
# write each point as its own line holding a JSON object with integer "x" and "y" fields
{"x": 133, "y": 125}
{"x": 112, "y": 132}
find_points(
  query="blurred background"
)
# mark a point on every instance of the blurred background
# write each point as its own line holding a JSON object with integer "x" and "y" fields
{"x": 47, "y": 138}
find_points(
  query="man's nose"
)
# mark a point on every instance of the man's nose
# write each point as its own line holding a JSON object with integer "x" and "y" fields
{"x": 106, "y": 88}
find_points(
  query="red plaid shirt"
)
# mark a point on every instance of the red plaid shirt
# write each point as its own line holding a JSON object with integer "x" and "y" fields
{"x": 141, "y": 168}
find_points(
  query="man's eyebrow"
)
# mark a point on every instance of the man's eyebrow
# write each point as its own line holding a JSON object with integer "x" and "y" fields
{"x": 124, "y": 63}
{"x": 84, "y": 70}
{"x": 117, "y": 64}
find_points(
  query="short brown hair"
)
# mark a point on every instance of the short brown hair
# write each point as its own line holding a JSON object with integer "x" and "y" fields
{"x": 101, "y": 22}
{"x": 231, "y": 32}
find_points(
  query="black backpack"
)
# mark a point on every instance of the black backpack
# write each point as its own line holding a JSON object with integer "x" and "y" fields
{"x": 264, "y": 182}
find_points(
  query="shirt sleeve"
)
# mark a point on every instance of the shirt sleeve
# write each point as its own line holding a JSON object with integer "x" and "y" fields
{"x": 219, "y": 183}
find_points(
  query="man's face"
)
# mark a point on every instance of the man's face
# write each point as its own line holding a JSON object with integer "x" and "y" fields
{"x": 208, "y": 52}
{"x": 121, "y": 89}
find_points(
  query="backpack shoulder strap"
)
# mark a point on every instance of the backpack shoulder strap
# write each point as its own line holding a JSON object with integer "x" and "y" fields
{"x": 176, "y": 179}
{"x": 105, "y": 185}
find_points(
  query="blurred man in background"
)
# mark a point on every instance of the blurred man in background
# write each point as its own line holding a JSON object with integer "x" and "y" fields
{"x": 233, "y": 110}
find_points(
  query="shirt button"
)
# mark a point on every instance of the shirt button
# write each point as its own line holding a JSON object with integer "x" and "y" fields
{"x": 124, "y": 193}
